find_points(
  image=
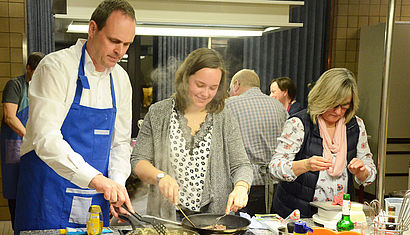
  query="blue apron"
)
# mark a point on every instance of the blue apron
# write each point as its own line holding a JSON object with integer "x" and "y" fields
{"x": 46, "y": 200}
{"x": 10, "y": 149}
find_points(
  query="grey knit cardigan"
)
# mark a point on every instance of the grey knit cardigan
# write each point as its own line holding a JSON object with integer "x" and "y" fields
{"x": 228, "y": 162}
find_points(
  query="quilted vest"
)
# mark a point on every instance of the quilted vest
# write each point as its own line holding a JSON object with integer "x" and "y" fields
{"x": 297, "y": 194}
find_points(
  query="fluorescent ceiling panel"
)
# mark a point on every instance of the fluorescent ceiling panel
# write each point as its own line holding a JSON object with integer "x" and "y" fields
{"x": 196, "y": 15}
{"x": 182, "y": 31}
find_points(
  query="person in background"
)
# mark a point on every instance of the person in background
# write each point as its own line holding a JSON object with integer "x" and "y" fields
{"x": 322, "y": 149}
{"x": 13, "y": 128}
{"x": 261, "y": 119}
{"x": 284, "y": 90}
{"x": 77, "y": 148}
{"x": 189, "y": 148}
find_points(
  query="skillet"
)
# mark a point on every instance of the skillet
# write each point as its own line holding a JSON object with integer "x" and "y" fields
{"x": 234, "y": 224}
{"x": 138, "y": 228}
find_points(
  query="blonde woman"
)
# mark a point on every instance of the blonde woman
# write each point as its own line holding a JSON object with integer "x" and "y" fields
{"x": 322, "y": 149}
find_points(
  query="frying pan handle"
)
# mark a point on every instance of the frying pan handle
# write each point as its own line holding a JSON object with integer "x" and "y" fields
{"x": 166, "y": 221}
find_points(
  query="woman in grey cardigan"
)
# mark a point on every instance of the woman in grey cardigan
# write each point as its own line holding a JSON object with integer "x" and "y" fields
{"x": 189, "y": 149}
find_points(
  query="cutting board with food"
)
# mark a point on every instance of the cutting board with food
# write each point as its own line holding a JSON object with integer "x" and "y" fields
{"x": 328, "y": 206}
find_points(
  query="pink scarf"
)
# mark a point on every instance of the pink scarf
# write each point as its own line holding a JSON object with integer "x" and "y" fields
{"x": 338, "y": 146}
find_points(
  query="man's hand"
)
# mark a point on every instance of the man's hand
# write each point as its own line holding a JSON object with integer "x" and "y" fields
{"x": 115, "y": 193}
{"x": 169, "y": 189}
{"x": 116, "y": 211}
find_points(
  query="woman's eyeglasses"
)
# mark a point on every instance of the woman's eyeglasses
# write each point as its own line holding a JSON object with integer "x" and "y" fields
{"x": 344, "y": 107}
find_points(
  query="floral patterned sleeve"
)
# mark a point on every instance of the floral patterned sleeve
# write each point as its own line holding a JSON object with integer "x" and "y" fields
{"x": 364, "y": 154}
{"x": 289, "y": 144}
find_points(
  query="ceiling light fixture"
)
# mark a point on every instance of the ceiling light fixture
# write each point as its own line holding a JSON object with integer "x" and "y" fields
{"x": 185, "y": 31}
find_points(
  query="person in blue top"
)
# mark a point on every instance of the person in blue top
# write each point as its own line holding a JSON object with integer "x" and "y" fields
{"x": 13, "y": 128}
{"x": 76, "y": 152}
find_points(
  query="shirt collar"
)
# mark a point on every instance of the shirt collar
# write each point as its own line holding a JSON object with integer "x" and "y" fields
{"x": 253, "y": 90}
{"x": 88, "y": 63}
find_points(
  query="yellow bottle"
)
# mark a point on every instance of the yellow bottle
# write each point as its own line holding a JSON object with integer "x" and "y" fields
{"x": 95, "y": 221}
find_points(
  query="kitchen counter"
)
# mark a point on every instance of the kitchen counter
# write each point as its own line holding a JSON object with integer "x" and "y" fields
{"x": 57, "y": 231}
{"x": 116, "y": 228}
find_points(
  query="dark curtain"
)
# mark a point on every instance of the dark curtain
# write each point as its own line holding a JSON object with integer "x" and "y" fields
{"x": 40, "y": 22}
{"x": 133, "y": 68}
{"x": 300, "y": 54}
{"x": 171, "y": 52}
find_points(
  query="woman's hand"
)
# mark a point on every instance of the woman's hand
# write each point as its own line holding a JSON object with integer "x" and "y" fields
{"x": 317, "y": 163}
{"x": 238, "y": 198}
{"x": 169, "y": 189}
{"x": 357, "y": 168}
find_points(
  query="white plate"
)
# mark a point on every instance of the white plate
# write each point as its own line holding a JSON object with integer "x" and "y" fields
{"x": 331, "y": 224}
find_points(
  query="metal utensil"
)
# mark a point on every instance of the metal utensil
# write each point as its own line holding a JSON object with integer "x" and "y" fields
{"x": 218, "y": 219}
{"x": 404, "y": 215}
{"x": 186, "y": 217}
{"x": 158, "y": 227}
{"x": 375, "y": 210}
{"x": 375, "y": 207}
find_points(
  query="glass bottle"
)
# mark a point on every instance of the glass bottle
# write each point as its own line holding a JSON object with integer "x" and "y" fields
{"x": 345, "y": 224}
{"x": 391, "y": 218}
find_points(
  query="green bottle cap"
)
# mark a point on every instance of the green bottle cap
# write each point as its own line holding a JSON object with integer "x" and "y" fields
{"x": 346, "y": 196}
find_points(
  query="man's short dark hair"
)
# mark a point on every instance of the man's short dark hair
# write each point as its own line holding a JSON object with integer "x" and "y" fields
{"x": 104, "y": 10}
{"x": 33, "y": 59}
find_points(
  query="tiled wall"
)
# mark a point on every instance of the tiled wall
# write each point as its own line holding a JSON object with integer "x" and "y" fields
{"x": 349, "y": 17}
{"x": 12, "y": 30}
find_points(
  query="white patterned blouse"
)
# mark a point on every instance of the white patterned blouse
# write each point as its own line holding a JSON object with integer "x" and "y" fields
{"x": 327, "y": 187}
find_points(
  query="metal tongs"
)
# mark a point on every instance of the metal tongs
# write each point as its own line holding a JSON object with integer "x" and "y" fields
{"x": 158, "y": 226}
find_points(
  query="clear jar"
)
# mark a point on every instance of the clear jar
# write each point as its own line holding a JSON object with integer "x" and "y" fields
{"x": 358, "y": 217}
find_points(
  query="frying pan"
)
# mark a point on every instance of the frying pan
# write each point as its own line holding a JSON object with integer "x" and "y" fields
{"x": 234, "y": 224}
{"x": 134, "y": 231}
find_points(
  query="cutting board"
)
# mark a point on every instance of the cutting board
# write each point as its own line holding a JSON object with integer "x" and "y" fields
{"x": 326, "y": 206}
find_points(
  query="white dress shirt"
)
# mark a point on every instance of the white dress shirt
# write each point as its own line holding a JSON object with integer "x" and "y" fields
{"x": 51, "y": 93}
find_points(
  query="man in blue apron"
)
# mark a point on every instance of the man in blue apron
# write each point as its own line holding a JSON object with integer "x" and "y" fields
{"x": 13, "y": 128}
{"x": 77, "y": 147}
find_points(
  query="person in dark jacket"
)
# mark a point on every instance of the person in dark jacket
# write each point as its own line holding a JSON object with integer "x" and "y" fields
{"x": 284, "y": 90}
{"x": 322, "y": 149}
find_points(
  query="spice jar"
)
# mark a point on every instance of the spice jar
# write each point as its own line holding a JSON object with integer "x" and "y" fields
{"x": 391, "y": 219}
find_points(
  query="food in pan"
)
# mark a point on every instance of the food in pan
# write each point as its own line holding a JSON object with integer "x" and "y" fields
{"x": 215, "y": 227}
{"x": 150, "y": 231}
